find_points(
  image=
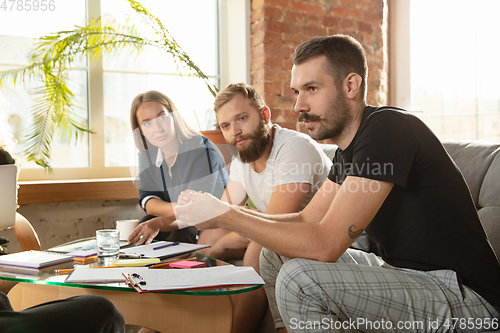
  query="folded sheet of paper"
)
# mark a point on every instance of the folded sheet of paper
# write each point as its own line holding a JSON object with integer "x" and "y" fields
{"x": 148, "y": 251}
{"x": 102, "y": 275}
{"x": 175, "y": 279}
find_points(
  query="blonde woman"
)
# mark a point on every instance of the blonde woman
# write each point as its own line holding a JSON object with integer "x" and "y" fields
{"x": 172, "y": 158}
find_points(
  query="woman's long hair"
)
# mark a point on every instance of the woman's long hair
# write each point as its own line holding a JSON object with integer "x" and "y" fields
{"x": 182, "y": 129}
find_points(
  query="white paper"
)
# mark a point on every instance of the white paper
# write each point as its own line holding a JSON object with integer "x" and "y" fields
{"x": 148, "y": 252}
{"x": 171, "y": 279}
{"x": 102, "y": 275}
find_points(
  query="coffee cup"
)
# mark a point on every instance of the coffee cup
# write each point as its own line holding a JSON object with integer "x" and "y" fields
{"x": 126, "y": 227}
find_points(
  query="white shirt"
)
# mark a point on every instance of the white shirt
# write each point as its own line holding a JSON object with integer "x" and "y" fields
{"x": 295, "y": 158}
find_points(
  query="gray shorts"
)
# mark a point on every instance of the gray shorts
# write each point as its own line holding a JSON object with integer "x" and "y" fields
{"x": 360, "y": 292}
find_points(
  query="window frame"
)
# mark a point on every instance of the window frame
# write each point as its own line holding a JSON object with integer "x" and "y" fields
{"x": 399, "y": 54}
{"x": 233, "y": 63}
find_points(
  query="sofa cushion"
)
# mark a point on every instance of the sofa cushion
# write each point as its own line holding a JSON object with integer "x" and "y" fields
{"x": 480, "y": 165}
{"x": 490, "y": 219}
{"x": 473, "y": 158}
{"x": 490, "y": 189}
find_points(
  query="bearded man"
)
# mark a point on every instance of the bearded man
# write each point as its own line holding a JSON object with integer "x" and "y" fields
{"x": 278, "y": 169}
{"x": 434, "y": 259}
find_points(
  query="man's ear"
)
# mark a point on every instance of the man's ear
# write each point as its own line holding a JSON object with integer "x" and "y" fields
{"x": 266, "y": 113}
{"x": 352, "y": 83}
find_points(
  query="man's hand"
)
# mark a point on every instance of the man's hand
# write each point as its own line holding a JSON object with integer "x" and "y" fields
{"x": 203, "y": 207}
{"x": 145, "y": 232}
{"x": 184, "y": 197}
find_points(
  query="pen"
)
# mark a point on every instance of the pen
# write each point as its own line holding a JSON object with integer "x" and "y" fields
{"x": 67, "y": 271}
{"x": 168, "y": 261}
{"x": 62, "y": 271}
{"x": 130, "y": 256}
{"x": 166, "y": 245}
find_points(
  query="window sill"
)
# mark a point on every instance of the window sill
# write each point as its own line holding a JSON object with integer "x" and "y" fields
{"x": 51, "y": 191}
{"x": 37, "y": 192}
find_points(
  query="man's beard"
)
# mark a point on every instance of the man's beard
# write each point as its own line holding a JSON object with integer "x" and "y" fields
{"x": 258, "y": 142}
{"x": 333, "y": 123}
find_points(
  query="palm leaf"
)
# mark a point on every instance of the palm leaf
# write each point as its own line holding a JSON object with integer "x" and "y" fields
{"x": 55, "y": 54}
{"x": 168, "y": 43}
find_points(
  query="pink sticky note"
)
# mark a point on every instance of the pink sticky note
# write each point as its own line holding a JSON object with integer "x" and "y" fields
{"x": 187, "y": 264}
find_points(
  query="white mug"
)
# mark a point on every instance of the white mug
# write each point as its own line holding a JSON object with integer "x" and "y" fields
{"x": 126, "y": 227}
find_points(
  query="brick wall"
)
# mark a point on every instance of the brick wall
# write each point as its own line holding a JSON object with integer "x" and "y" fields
{"x": 279, "y": 26}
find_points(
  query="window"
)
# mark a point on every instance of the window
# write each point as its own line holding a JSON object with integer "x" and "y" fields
{"x": 104, "y": 90}
{"x": 16, "y": 41}
{"x": 444, "y": 66}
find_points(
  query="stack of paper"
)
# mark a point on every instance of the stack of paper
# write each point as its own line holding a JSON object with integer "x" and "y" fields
{"x": 144, "y": 279}
{"x": 34, "y": 259}
{"x": 102, "y": 275}
{"x": 34, "y": 262}
{"x": 175, "y": 279}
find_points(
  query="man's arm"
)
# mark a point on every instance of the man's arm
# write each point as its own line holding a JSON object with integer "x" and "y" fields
{"x": 158, "y": 207}
{"x": 147, "y": 231}
{"x": 354, "y": 205}
{"x": 235, "y": 193}
{"x": 313, "y": 212}
{"x": 286, "y": 198}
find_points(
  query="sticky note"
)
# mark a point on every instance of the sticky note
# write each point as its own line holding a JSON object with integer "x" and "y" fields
{"x": 83, "y": 254}
{"x": 187, "y": 264}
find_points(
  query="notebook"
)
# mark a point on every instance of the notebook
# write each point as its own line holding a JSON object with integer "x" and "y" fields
{"x": 151, "y": 280}
{"x": 44, "y": 271}
{"x": 134, "y": 262}
{"x": 34, "y": 259}
{"x": 82, "y": 245}
{"x": 101, "y": 275}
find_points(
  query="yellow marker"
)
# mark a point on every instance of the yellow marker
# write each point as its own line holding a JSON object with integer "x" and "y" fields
{"x": 134, "y": 262}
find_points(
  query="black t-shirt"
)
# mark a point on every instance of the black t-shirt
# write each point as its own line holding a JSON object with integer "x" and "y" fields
{"x": 428, "y": 221}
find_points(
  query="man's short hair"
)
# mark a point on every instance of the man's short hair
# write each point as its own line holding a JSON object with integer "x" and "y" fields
{"x": 344, "y": 55}
{"x": 228, "y": 93}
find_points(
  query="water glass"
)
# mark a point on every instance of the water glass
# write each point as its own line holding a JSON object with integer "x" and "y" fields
{"x": 108, "y": 242}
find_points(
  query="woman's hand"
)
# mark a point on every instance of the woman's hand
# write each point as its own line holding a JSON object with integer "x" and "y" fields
{"x": 145, "y": 232}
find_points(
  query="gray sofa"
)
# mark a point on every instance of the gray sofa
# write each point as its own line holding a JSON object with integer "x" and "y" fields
{"x": 480, "y": 164}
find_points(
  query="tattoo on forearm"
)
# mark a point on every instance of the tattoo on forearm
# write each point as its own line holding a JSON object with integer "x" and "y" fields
{"x": 354, "y": 234}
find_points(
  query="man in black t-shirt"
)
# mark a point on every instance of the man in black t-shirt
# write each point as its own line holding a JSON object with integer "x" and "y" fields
{"x": 392, "y": 178}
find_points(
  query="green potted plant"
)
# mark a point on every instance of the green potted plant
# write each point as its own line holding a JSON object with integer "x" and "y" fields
{"x": 55, "y": 54}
